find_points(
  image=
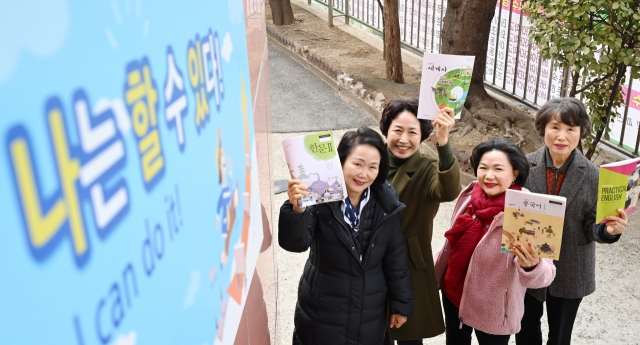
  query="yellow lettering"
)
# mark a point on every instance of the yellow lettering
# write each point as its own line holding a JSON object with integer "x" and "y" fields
{"x": 69, "y": 171}
{"x": 140, "y": 119}
{"x": 152, "y": 160}
{"x": 152, "y": 95}
{"x": 193, "y": 67}
{"x": 41, "y": 227}
{"x": 200, "y": 65}
{"x": 202, "y": 106}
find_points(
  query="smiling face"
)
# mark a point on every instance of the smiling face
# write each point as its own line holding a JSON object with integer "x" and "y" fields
{"x": 403, "y": 137}
{"x": 561, "y": 139}
{"x": 360, "y": 169}
{"x": 495, "y": 173}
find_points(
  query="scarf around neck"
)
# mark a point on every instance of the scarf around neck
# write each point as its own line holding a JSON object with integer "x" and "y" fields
{"x": 352, "y": 214}
{"x": 465, "y": 235}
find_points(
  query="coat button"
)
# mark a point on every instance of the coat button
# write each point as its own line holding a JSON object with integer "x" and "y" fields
{"x": 353, "y": 248}
{"x": 317, "y": 212}
{"x": 329, "y": 222}
{"x": 372, "y": 245}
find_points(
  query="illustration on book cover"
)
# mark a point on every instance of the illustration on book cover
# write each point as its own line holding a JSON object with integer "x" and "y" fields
{"x": 445, "y": 83}
{"x": 313, "y": 159}
{"x": 531, "y": 217}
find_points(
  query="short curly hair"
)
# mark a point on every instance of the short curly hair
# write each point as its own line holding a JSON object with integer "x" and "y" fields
{"x": 571, "y": 111}
{"x": 398, "y": 106}
{"x": 516, "y": 157}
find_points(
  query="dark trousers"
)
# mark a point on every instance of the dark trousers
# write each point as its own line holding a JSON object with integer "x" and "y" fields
{"x": 462, "y": 336}
{"x": 561, "y": 314}
{"x": 388, "y": 341}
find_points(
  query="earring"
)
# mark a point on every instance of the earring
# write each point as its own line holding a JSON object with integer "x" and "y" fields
{"x": 514, "y": 182}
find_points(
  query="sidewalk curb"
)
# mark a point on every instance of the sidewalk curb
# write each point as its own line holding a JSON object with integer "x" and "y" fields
{"x": 371, "y": 101}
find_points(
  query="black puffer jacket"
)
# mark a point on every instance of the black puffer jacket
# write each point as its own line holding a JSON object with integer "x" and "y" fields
{"x": 340, "y": 299}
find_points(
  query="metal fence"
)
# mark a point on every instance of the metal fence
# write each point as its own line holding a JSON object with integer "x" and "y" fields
{"x": 513, "y": 67}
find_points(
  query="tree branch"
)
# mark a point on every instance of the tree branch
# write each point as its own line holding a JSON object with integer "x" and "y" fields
{"x": 380, "y": 5}
{"x": 574, "y": 83}
{"x": 594, "y": 81}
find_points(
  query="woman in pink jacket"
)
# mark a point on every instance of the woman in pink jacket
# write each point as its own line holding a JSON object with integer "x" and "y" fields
{"x": 483, "y": 289}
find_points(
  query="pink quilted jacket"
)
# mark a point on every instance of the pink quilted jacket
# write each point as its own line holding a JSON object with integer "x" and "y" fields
{"x": 494, "y": 288}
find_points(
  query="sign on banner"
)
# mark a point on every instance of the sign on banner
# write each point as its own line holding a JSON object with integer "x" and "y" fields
{"x": 632, "y": 123}
{"x": 128, "y": 173}
{"x": 512, "y": 58}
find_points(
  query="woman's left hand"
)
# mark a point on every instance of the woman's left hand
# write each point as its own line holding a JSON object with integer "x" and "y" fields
{"x": 397, "y": 320}
{"x": 527, "y": 254}
{"x": 617, "y": 225}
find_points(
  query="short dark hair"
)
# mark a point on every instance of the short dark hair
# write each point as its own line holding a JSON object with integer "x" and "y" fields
{"x": 365, "y": 136}
{"x": 396, "y": 107}
{"x": 516, "y": 157}
{"x": 571, "y": 111}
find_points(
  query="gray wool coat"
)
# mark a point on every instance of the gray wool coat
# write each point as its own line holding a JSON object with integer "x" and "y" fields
{"x": 575, "y": 270}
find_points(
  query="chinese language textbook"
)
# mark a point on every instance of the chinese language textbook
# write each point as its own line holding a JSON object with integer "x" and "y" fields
{"x": 618, "y": 188}
{"x": 314, "y": 160}
{"x": 533, "y": 217}
{"x": 445, "y": 83}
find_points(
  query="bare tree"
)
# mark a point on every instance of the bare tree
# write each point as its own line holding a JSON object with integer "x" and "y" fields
{"x": 281, "y": 12}
{"x": 391, "y": 35}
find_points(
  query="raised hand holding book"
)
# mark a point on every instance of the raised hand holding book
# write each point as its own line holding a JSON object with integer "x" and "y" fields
{"x": 313, "y": 159}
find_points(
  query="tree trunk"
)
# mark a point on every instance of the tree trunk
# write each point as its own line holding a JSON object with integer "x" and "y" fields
{"x": 384, "y": 54}
{"x": 281, "y": 12}
{"x": 392, "y": 55}
{"x": 465, "y": 31}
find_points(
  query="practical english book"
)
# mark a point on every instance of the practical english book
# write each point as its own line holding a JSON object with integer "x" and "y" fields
{"x": 533, "y": 217}
{"x": 313, "y": 159}
{"x": 618, "y": 187}
{"x": 445, "y": 83}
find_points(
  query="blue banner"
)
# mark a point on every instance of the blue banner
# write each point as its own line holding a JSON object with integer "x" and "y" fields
{"x": 128, "y": 172}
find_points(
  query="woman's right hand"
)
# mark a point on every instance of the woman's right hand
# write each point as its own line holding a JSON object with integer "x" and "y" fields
{"x": 397, "y": 320}
{"x": 296, "y": 191}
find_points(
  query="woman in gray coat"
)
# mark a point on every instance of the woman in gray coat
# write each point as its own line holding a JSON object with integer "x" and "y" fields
{"x": 559, "y": 168}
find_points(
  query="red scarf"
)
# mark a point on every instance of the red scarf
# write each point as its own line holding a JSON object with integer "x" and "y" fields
{"x": 464, "y": 236}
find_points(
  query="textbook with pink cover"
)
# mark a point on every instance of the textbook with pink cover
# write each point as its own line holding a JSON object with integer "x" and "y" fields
{"x": 618, "y": 187}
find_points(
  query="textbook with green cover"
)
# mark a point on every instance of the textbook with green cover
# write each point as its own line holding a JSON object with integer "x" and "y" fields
{"x": 445, "y": 83}
{"x": 533, "y": 218}
{"x": 313, "y": 159}
{"x": 618, "y": 187}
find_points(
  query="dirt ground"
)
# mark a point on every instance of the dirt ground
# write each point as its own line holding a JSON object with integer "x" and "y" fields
{"x": 365, "y": 62}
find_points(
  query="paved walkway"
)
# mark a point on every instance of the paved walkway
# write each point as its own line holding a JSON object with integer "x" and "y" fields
{"x": 301, "y": 102}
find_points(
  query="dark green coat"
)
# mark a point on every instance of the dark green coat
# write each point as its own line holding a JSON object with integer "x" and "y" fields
{"x": 422, "y": 187}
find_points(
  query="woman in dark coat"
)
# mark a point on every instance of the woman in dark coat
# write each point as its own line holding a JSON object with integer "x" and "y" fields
{"x": 422, "y": 182}
{"x": 357, "y": 259}
{"x": 559, "y": 168}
